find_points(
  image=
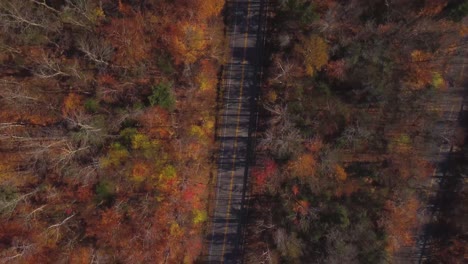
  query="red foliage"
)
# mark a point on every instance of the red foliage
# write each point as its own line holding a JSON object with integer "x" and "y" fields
{"x": 261, "y": 175}
{"x": 106, "y": 79}
{"x": 336, "y": 69}
{"x": 188, "y": 195}
{"x": 295, "y": 190}
{"x": 155, "y": 121}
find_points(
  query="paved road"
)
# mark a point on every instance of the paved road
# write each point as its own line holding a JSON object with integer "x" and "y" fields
{"x": 239, "y": 88}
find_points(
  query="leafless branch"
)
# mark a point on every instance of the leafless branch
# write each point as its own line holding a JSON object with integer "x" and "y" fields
{"x": 96, "y": 51}
{"x": 61, "y": 223}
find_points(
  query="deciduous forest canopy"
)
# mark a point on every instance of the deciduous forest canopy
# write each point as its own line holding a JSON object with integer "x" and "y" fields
{"x": 107, "y": 124}
{"x": 106, "y": 128}
{"x": 353, "y": 91}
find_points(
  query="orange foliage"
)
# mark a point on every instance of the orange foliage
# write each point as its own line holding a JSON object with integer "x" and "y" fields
{"x": 304, "y": 166}
{"x": 340, "y": 173}
{"x": 32, "y": 116}
{"x": 187, "y": 42}
{"x": 207, "y": 75}
{"x": 72, "y": 104}
{"x": 81, "y": 255}
{"x": 125, "y": 9}
{"x": 347, "y": 188}
{"x": 192, "y": 249}
{"x": 127, "y": 36}
{"x": 194, "y": 150}
{"x": 140, "y": 171}
{"x": 401, "y": 223}
{"x": 433, "y": 7}
{"x": 35, "y": 53}
{"x": 106, "y": 79}
{"x": 84, "y": 194}
{"x": 314, "y": 146}
{"x": 156, "y": 122}
{"x": 174, "y": 225}
{"x": 295, "y": 190}
{"x": 192, "y": 194}
{"x": 301, "y": 207}
{"x": 104, "y": 229}
{"x": 208, "y": 9}
{"x": 421, "y": 73}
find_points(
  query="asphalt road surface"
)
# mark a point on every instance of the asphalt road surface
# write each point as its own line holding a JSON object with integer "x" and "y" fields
{"x": 239, "y": 88}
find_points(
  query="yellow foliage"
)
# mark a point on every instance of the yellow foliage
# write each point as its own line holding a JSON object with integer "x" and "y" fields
{"x": 207, "y": 75}
{"x": 419, "y": 56}
{"x": 200, "y": 216}
{"x": 140, "y": 141}
{"x": 117, "y": 154}
{"x": 168, "y": 172}
{"x": 197, "y": 131}
{"x": 208, "y": 125}
{"x": 188, "y": 42}
{"x": 313, "y": 51}
{"x": 272, "y": 96}
{"x": 204, "y": 82}
{"x": 400, "y": 144}
{"x": 98, "y": 13}
{"x": 437, "y": 80}
{"x": 175, "y": 229}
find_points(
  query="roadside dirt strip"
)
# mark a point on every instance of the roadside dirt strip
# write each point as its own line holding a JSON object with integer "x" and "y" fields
{"x": 239, "y": 88}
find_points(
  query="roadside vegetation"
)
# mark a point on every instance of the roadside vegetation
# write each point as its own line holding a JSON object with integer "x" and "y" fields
{"x": 448, "y": 231}
{"x": 350, "y": 99}
{"x": 106, "y": 129}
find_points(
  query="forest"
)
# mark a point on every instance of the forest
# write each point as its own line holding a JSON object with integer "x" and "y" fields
{"x": 351, "y": 96}
{"x": 108, "y": 112}
{"x": 107, "y": 115}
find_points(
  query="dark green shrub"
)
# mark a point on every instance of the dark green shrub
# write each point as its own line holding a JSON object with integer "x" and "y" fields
{"x": 105, "y": 192}
{"x": 91, "y": 105}
{"x": 162, "y": 96}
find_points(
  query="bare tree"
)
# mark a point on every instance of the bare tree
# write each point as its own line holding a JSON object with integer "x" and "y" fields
{"x": 8, "y": 206}
{"x": 48, "y": 67}
{"x": 96, "y": 50}
{"x": 282, "y": 69}
{"x": 20, "y": 248}
{"x": 21, "y": 13}
{"x": 79, "y": 13}
{"x": 282, "y": 138}
{"x": 339, "y": 250}
{"x": 13, "y": 93}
